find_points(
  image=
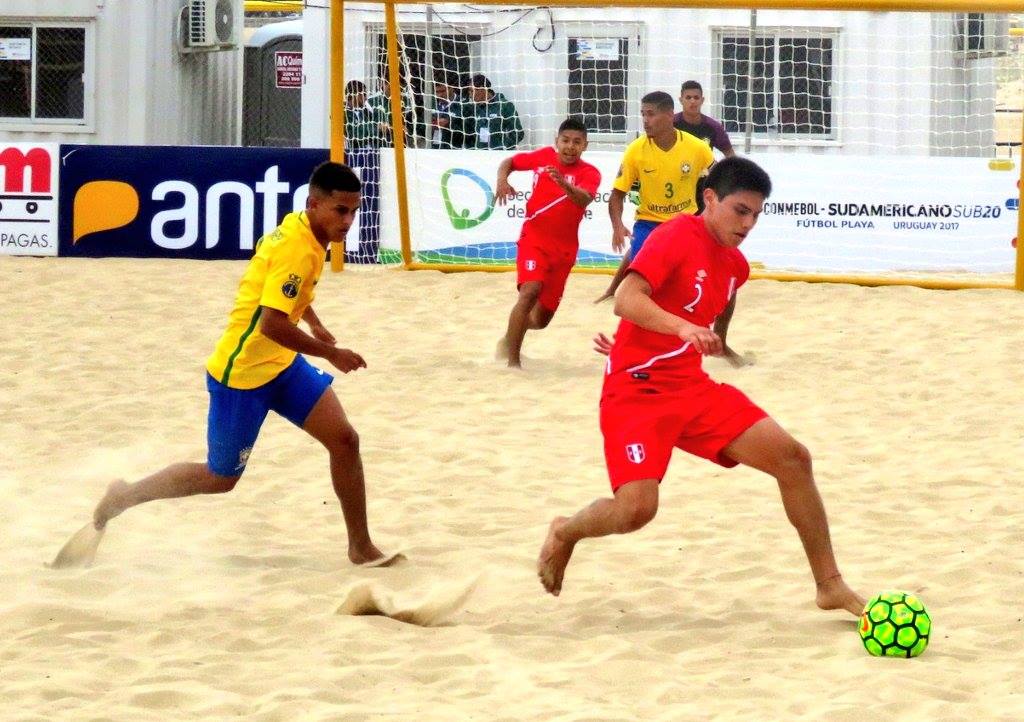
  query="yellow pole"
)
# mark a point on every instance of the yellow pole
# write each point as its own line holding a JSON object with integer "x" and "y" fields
{"x": 398, "y": 129}
{"x": 924, "y": 6}
{"x": 337, "y": 111}
{"x": 277, "y": 6}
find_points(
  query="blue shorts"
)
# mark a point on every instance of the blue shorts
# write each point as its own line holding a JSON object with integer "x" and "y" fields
{"x": 236, "y": 415}
{"x": 641, "y": 229}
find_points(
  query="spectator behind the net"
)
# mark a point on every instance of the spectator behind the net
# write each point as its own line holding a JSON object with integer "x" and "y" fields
{"x": 362, "y": 123}
{"x": 694, "y": 122}
{"x": 446, "y": 125}
{"x": 490, "y": 120}
{"x": 380, "y": 103}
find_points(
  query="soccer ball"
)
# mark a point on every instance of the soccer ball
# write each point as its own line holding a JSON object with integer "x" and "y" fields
{"x": 895, "y": 624}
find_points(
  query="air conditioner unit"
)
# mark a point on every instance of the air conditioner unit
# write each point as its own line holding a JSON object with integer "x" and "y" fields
{"x": 982, "y": 34}
{"x": 211, "y": 24}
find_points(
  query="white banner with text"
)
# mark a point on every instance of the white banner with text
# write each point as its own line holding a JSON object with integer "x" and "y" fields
{"x": 827, "y": 213}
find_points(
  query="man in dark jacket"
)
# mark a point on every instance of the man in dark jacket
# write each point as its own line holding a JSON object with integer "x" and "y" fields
{"x": 490, "y": 120}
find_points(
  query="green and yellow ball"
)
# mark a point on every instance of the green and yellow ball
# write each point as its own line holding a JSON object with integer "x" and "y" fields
{"x": 895, "y": 624}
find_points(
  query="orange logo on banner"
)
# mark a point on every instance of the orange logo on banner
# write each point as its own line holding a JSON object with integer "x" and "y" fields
{"x": 103, "y": 206}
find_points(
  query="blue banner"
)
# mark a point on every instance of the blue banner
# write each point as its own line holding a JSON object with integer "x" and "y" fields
{"x": 177, "y": 202}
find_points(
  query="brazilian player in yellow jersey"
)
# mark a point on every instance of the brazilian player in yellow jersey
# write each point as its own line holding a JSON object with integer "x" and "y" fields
{"x": 258, "y": 367}
{"x": 667, "y": 164}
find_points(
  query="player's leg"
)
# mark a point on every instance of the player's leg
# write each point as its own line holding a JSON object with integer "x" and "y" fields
{"x": 638, "y": 433}
{"x": 233, "y": 424}
{"x": 768, "y": 447}
{"x": 311, "y": 404}
{"x": 641, "y": 229}
{"x": 519, "y": 322}
{"x": 176, "y": 480}
{"x": 550, "y": 297}
{"x": 633, "y": 506}
{"x": 620, "y": 273}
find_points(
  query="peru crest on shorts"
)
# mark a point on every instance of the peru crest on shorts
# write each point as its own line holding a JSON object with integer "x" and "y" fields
{"x": 635, "y": 453}
{"x": 531, "y": 265}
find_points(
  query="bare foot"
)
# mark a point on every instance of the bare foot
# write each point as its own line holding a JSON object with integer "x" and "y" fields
{"x": 835, "y": 594}
{"x": 501, "y": 350}
{"x": 364, "y": 553}
{"x": 112, "y": 504}
{"x": 554, "y": 557}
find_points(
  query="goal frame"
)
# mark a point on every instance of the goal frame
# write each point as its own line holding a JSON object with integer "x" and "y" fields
{"x": 337, "y": 124}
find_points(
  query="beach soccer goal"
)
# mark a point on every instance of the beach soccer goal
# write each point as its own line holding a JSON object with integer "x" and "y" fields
{"x": 891, "y": 130}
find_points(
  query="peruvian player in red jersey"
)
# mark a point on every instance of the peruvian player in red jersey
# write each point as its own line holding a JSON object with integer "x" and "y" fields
{"x": 657, "y": 397}
{"x": 563, "y": 187}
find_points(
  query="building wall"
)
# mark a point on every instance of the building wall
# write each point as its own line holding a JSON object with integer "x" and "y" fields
{"x": 143, "y": 90}
{"x": 898, "y": 87}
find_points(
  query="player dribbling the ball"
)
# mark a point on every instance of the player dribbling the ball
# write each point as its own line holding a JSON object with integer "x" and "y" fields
{"x": 656, "y": 396}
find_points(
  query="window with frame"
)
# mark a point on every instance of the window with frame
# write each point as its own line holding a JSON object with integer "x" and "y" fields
{"x": 42, "y": 73}
{"x": 598, "y": 73}
{"x": 785, "y": 84}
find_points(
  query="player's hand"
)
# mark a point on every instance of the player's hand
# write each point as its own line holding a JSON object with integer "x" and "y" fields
{"x": 320, "y": 333}
{"x": 619, "y": 235}
{"x": 603, "y": 344}
{"x": 703, "y": 339}
{"x": 556, "y": 175}
{"x": 345, "y": 360}
{"x": 504, "y": 192}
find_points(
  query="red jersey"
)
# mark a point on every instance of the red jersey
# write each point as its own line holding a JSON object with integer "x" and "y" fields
{"x": 550, "y": 215}
{"x": 692, "y": 276}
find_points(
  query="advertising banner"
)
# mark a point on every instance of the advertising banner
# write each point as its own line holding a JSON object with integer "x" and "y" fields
{"x": 827, "y": 213}
{"x": 177, "y": 202}
{"x": 288, "y": 69}
{"x": 28, "y": 199}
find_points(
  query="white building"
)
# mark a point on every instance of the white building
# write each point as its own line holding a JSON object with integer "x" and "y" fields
{"x": 115, "y": 71}
{"x": 827, "y": 82}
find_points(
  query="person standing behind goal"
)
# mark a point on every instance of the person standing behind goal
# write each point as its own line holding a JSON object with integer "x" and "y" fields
{"x": 258, "y": 366}
{"x": 563, "y": 187}
{"x": 694, "y": 122}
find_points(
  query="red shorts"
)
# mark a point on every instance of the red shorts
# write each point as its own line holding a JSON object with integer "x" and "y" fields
{"x": 536, "y": 263}
{"x": 641, "y": 424}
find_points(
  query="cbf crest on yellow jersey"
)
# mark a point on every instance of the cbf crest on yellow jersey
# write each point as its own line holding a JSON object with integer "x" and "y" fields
{"x": 282, "y": 275}
{"x": 667, "y": 179}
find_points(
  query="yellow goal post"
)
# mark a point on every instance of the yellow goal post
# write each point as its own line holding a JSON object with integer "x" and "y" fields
{"x": 875, "y": 119}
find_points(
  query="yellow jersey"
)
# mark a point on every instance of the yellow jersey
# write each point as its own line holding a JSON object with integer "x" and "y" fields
{"x": 668, "y": 179}
{"x": 282, "y": 275}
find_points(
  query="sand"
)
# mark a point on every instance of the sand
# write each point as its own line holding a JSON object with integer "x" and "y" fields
{"x": 228, "y": 606}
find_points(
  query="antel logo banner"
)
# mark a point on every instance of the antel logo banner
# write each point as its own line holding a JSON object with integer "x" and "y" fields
{"x": 177, "y": 202}
{"x": 28, "y": 199}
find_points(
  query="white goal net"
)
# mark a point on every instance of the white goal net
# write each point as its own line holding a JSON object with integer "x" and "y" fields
{"x": 890, "y": 137}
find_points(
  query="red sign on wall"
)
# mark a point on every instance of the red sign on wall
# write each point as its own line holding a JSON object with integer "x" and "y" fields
{"x": 288, "y": 67}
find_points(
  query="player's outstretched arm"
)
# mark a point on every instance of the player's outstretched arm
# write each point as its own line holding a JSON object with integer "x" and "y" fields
{"x": 722, "y": 329}
{"x": 633, "y": 302}
{"x": 503, "y": 191}
{"x": 317, "y": 328}
{"x": 275, "y": 325}
{"x": 619, "y": 232}
{"x": 577, "y": 195}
